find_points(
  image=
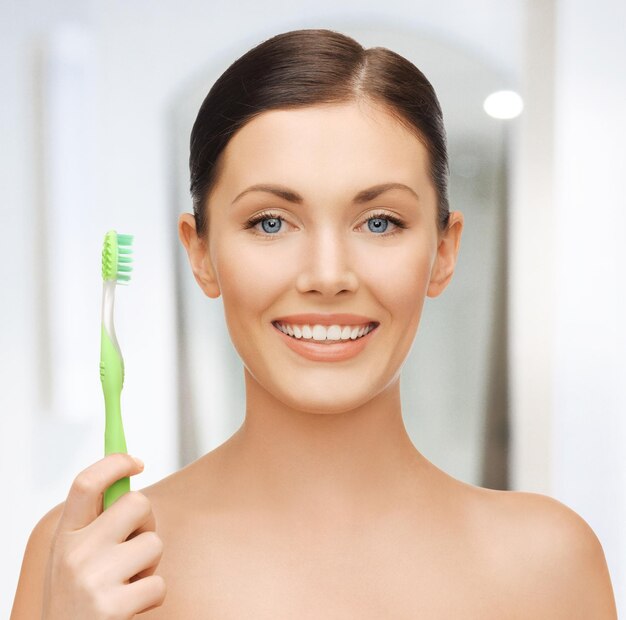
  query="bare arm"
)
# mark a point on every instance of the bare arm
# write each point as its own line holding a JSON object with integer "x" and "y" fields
{"x": 28, "y": 601}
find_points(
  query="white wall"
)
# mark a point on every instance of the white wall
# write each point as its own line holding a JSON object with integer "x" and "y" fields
{"x": 568, "y": 217}
{"x": 589, "y": 426}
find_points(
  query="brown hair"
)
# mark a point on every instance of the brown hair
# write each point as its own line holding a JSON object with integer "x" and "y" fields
{"x": 307, "y": 67}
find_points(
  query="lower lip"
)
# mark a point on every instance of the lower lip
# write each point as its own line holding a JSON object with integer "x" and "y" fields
{"x": 327, "y": 352}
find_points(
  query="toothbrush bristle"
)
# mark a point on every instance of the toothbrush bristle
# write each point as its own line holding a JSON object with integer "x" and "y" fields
{"x": 116, "y": 259}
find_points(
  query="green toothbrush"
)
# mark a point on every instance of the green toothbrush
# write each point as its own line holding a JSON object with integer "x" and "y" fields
{"x": 116, "y": 267}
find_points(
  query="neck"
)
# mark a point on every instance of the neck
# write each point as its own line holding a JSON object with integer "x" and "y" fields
{"x": 323, "y": 465}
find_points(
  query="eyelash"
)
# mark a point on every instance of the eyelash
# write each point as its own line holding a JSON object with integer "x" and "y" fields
{"x": 380, "y": 215}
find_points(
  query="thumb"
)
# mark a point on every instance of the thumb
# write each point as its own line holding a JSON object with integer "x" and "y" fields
{"x": 84, "y": 501}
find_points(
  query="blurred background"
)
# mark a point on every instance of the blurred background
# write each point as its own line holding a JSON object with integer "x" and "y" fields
{"x": 516, "y": 377}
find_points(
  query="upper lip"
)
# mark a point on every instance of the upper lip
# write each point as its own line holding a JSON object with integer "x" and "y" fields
{"x": 325, "y": 319}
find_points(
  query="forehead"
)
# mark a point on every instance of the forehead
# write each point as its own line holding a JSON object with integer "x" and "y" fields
{"x": 340, "y": 144}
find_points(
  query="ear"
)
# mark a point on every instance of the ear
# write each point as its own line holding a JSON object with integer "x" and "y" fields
{"x": 447, "y": 252}
{"x": 197, "y": 251}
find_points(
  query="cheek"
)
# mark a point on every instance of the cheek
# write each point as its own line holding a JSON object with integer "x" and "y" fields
{"x": 248, "y": 277}
{"x": 400, "y": 276}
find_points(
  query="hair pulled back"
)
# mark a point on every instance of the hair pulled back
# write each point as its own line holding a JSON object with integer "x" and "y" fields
{"x": 308, "y": 67}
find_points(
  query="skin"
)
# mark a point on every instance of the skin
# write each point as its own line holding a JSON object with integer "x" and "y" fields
{"x": 320, "y": 506}
{"x": 340, "y": 451}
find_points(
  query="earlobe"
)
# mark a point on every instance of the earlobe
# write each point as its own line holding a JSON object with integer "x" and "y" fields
{"x": 197, "y": 252}
{"x": 447, "y": 252}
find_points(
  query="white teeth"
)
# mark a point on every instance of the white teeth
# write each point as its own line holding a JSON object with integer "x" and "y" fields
{"x": 319, "y": 333}
{"x": 325, "y": 332}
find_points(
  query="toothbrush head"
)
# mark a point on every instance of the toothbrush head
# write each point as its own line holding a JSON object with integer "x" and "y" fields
{"x": 116, "y": 257}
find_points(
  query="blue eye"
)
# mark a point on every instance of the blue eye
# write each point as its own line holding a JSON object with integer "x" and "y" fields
{"x": 381, "y": 217}
{"x": 379, "y": 223}
{"x": 270, "y": 222}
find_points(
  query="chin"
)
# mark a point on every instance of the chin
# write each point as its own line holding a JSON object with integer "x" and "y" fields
{"x": 328, "y": 403}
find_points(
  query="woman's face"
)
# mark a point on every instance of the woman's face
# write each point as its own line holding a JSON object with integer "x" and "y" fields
{"x": 323, "y": 252}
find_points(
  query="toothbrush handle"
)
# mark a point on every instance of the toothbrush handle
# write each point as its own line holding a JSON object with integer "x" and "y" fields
{"x": 112, "y": 378}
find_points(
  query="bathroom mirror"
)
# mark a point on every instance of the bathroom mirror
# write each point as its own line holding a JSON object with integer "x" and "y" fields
{"x": 453, "y": 383}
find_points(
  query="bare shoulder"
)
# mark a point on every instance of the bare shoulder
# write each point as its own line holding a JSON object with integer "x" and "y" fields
{"x": 179, "y": 488}
{"x": 552, "y": 555}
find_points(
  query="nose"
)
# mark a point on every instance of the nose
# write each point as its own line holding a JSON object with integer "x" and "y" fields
{"x": 327, "y": 265}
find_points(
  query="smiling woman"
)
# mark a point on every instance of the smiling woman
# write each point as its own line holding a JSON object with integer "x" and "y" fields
{"x": 321, "y": 217}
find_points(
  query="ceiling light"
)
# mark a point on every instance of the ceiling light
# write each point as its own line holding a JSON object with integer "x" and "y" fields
{"x": 503, "y": 104}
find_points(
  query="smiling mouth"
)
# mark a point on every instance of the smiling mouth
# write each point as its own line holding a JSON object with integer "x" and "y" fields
{"x": 363, "y": 331}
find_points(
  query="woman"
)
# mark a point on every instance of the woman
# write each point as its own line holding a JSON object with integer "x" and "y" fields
{"x": 318, "y": 176}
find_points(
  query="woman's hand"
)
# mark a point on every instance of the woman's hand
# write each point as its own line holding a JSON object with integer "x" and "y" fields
{"x": 101, "y": 564}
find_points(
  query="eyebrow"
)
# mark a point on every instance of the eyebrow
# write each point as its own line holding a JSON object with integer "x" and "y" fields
{"x": 362, "y": 197}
